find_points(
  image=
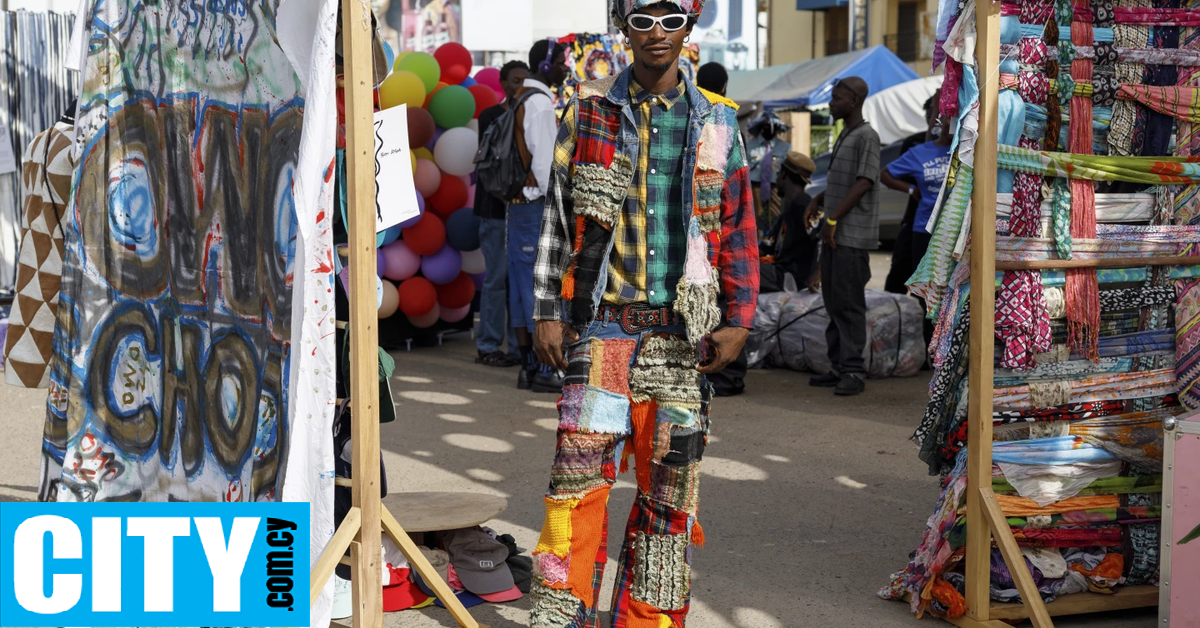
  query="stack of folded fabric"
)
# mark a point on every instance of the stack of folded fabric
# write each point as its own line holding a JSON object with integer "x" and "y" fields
{"x": 1089, "y": 363}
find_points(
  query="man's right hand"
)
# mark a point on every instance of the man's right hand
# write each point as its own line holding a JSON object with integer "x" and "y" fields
{"x": 810, "y": 214}
{"x": 550, "y": 340}
{"x": 814, "y": 281}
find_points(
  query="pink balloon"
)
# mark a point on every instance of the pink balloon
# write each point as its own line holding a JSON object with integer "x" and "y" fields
{"x": 456, "y": 314}
{"x": 489, "y": 77}
{"x": 470, "y": 196}
{"x": 427, "y": 320}
{"x": 399, "y": 262}
{"x": 428, "y": 178}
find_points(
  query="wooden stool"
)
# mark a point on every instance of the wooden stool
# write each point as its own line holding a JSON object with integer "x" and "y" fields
{"x": 440, "y": 511}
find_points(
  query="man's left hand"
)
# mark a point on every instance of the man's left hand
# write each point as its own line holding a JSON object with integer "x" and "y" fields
{"x": 827, "y": 235}
{"x": 726, "y": 345}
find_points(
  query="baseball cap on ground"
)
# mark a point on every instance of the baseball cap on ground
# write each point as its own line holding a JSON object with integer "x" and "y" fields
{"x": 466, "y": 598}
{"x": 478, "y": 560}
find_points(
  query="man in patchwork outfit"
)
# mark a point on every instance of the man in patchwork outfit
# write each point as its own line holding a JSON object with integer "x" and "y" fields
{"x": 649, "y": 218}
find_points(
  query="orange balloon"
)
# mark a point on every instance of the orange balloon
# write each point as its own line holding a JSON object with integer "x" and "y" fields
{"x": 437, "y": 89}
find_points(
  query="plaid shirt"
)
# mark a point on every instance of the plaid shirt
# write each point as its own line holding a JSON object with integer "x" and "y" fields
{"x": 649, "y": 246}
{"x": 589, "y": 159}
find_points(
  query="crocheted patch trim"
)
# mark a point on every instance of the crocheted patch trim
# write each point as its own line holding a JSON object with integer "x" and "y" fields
{"x": 610, "y": 364}
{"x": 709, "y": 184}
{"x": 593, "y": 410}
{"x": 552, "y": 608}
{"x": 697, "y": 304}
{"x": 598, "y": 192}
{"x": 578, "y": 464}
{"x": 676, "y": 487}
{"x": 661, "y": 574}
{"x": 665, "y": 372}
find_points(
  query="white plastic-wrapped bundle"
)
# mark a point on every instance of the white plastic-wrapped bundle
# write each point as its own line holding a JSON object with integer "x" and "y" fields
{"x": 789, "y": 332}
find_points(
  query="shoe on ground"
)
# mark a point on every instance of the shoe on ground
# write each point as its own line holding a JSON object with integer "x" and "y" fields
{"x": 525, "y": 379}
{"x": 828, "y": 380}
{"x": 849, "y": 386}
{"x": 494, "y": 359}
{"x": 549, "y": 382}
{"x": 343, "y": 602}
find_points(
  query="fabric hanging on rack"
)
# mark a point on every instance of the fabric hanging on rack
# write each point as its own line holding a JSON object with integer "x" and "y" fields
{"x": 1010, "y": 249}
{"x": 1182, "y": 103}
{"x": 1124, "y": 118}
{"x": 1187, "y": 347}
{"x": 1095, "y": 388}
{"x": 1146, "y": 170}
{"x": 1157, "y": 16}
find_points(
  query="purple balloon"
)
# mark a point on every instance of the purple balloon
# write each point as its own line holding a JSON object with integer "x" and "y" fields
{"x": 380, "y": 263}
{"x": 415, "y": 219}
{"x": 437, "y": 135}
{"x": 442, "y": 267}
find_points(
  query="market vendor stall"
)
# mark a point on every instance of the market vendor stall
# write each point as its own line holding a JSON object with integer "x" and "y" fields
{"x": 1085, "y": 337}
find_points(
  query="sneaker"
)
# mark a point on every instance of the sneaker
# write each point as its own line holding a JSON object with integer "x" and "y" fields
{"x": 828, "y": 380}
{"x": 549, "y": 382}
{"x": 525, "y": 379}
{"x": 343, "y": 599}
{"x": 849, "y": 386}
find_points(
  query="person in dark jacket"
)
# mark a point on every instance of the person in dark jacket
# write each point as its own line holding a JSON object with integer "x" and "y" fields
{"x": 493, "y": 299}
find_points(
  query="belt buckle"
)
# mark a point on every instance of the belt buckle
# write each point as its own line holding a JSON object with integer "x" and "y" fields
{"x": 627, "y": 325}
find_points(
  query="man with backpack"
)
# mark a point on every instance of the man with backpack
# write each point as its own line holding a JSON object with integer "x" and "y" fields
{"x": 534, "y": 133}
{"x": 493, "y": 300}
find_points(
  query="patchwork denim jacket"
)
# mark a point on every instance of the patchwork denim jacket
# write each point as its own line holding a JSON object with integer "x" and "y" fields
{"x": 593, "y": 168}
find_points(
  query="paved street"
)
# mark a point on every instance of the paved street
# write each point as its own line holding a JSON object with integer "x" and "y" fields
{"x": 808, "y": 501}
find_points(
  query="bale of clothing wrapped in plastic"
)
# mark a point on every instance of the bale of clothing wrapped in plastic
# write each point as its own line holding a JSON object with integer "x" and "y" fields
{"x": 789, "y": 332}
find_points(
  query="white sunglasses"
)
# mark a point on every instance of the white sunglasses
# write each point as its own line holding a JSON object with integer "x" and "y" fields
{"x": 670, "y": 23}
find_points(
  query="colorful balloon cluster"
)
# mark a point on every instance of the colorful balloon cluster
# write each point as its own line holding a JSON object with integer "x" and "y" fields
{"x": 431, "y": 265}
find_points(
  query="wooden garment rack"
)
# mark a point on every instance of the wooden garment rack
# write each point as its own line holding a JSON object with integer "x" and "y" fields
{"x": 361, "y": 530}
{"x": 985, "y": 518}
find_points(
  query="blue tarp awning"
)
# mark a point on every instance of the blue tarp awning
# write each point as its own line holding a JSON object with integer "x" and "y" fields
{"x": 809, "y": 83}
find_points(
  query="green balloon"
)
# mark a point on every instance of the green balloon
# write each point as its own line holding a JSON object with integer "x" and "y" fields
{"x": 453, "y": 106}
{"x": 423, "y": 65}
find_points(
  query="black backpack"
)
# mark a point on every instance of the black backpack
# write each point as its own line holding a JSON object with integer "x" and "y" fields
{"x": 499, "y": 169}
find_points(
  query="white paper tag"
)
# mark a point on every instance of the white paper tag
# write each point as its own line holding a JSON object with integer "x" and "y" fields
{"x": 8, "y": 161}
{"x": 395, "y": 191}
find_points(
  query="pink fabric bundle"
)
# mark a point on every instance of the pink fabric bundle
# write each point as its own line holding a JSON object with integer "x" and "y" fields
{"x": 1156, "y": 16}
{"x": 1082, "y": 289}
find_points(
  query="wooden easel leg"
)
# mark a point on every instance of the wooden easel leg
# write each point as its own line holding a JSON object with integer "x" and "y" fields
{"x": 967, "y": 622}
{"x": 427, "y": 572}
{"x": 333, "y": 553}
{"x": 1016, "y": 562}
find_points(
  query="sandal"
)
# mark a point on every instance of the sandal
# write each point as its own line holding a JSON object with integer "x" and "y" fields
{"x": 495, "y": 359}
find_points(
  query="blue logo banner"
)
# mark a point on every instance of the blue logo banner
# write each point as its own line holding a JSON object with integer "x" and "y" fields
{"x": 154, "y": 564}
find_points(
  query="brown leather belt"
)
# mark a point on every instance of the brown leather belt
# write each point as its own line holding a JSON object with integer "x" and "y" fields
{"x": 639, "y": 317}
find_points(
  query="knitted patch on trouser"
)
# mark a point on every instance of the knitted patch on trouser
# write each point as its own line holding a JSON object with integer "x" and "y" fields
{"x": 676, "y": 486}
{"x": 587, "y": 534}
{"x": 687, "y": 446}
{"x": 665, "y": 371}
{"x": 661, "y": 574}
{"x": 591, "y": 409}
{"x": 610, "y": 364}
{"x": 551, "y": 569}
{"x": 579, "y": 463}
{"x": 679, "y": 417}
{"x": 553, "y": 608}
{"x": 556, "y": 530}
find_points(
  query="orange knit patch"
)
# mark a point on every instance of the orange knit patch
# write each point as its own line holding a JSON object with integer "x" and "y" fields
{"x": 642, "y": 416}
{"x": 587, "y": 529}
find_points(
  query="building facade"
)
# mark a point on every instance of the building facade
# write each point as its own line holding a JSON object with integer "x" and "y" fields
{"x": 799, "y": 30}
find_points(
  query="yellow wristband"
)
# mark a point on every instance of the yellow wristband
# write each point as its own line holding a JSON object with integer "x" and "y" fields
{"x": 831, "y": 222}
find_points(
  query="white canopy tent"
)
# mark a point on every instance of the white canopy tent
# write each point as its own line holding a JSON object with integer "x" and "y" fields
{"x": 898, "y": 112}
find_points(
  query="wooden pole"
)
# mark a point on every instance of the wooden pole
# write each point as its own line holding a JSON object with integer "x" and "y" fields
{"x": 983, "y": 312}
{"x": 364, "y": 317}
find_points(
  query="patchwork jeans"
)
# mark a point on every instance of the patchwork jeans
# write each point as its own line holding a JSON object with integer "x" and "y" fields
{"x": 625, "y": 395}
